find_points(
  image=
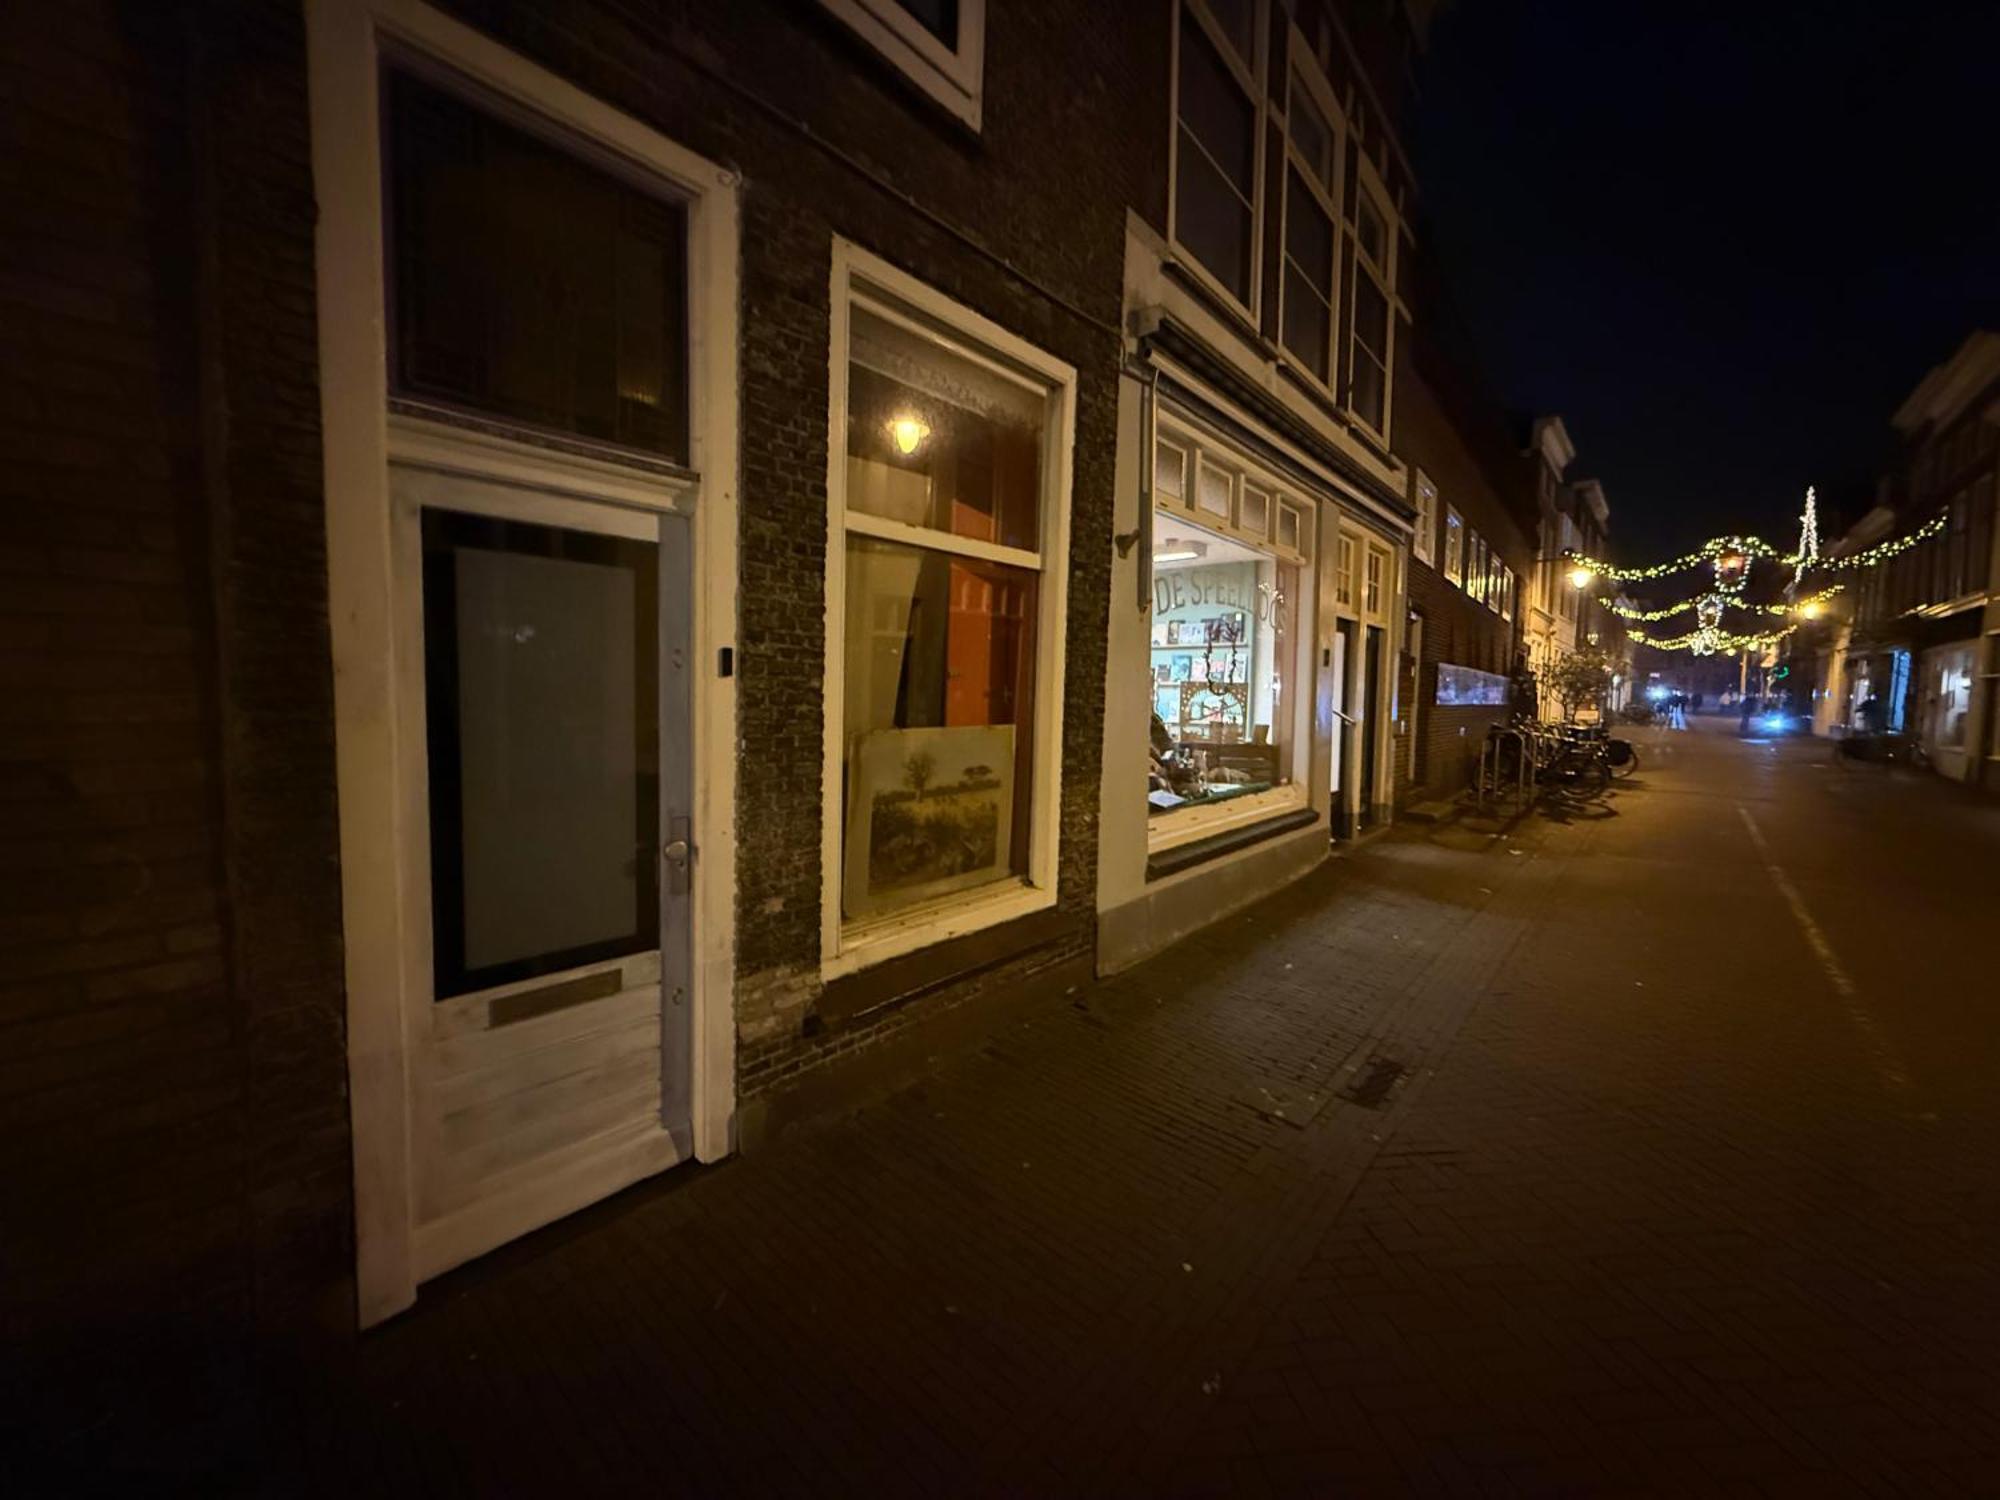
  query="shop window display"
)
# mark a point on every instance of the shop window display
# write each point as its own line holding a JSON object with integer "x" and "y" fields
{"x": 1221, "y": 662}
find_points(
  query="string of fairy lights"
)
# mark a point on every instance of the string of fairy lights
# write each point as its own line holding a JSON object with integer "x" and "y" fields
{"x": 1730, "y": 558}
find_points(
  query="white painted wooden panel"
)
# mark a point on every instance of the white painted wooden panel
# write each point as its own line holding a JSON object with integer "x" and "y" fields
{"x": 484, "y": 1051}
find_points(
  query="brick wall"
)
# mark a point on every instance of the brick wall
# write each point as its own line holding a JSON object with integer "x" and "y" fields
{"x": 732, "y": 83}
{"x": 1456, "y": 443}
{"x": 173, "y": 1146}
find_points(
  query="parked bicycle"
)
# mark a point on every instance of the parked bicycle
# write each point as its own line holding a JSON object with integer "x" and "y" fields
{"x": 1883, "y": 749}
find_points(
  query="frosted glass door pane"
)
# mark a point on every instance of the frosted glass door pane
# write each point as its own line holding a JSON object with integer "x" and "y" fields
{"x": 541, "y": 660}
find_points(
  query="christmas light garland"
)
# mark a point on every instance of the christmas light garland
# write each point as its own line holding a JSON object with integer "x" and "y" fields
{"x": 1633, "y": 612}
{"x": 1709, "y": 640}
{"x": 1751, "y": 547}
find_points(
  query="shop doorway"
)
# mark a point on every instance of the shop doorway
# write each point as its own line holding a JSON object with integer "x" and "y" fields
{"x": 548, "y": 795}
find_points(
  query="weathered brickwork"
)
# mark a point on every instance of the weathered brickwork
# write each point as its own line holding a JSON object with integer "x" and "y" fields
{"x": 1441, "y": 429}
{"x": 832, "y": 141}
{"x": 174, "y": 1157}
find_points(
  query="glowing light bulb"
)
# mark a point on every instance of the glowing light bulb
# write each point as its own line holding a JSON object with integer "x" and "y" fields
{"x": 908, "y": 432}
{"x": 1580, "y": 576}
{"x": 1810, "y": 609}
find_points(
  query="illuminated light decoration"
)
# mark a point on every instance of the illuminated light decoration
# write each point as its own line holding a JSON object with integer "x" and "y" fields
{"x": 1752, "y": 548}
{"x": 1808, "y": 552}
{"x": 1712, "y": 640}
{"x": 1810, "y": 606}
{"x": 1580, "y": 576}
{"x": 908, "y": 431}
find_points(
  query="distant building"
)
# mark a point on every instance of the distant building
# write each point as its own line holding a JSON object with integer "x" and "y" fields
{"x": 1919, "y": 634}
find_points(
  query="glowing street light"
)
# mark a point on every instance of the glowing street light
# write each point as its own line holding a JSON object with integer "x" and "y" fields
{"x": 1580, "y": 576}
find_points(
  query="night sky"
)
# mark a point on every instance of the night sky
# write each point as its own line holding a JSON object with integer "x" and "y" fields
{"x": 1724, "y": 241}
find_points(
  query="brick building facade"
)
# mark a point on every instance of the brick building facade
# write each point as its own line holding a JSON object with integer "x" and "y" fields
{"x": 298, "y": 495}
{"x": 1468, "y": 572}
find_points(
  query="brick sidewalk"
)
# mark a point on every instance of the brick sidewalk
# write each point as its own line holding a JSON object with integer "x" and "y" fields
{"x": 996, "y": 1279}
{"x": 1659, "y": 1225}
{"x": 1464, "y": 1167}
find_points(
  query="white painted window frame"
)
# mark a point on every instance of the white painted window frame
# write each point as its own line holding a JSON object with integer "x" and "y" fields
{"x": 383, "y": 907}
{"x": 1248, "y": 76}
{"x": 1186, "y": 825}
{"x": 1305, "y": 66}
{"x": 847, "y": 947}
{"x": 1368, "y": 183}
{"x": 1454, "y": 557}
{"x": 1425, "y": 494}
{"x": 955, "y": 79}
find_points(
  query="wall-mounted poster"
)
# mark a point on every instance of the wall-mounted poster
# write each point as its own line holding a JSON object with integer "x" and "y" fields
{"x": 1459, "y": 687}
{"x": 929, "y": 812}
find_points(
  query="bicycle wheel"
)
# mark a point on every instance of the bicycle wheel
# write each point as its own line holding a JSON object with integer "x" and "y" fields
{"x": 1623, "y": 759}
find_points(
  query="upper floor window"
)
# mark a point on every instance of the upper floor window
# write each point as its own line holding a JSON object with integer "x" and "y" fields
{"x": 580, "y": 327}
{"x": 1368, "y": 344}
{"x": 1308, "y": 294}
{"x": 1454, "y": 545}
{"x": 939, "y": 45}
{"x": 1216, "y": 146}
{"x": 1426, "y": 496}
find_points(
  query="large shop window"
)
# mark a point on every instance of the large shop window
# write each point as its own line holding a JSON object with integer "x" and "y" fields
{"x": 580, "y": 327}
{"x": 1215, "y": 157}
{"x": 1224, "y": 664}
{"x": 949, "y": 534}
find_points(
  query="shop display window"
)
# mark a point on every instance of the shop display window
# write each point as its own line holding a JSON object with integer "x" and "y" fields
{"x": 1222, "y": 661}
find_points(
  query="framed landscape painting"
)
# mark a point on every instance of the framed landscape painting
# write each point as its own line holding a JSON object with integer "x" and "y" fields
{"x": 929, "y": 812}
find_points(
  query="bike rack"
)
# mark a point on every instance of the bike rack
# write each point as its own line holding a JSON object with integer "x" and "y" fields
{"x": 1493, "y": 784}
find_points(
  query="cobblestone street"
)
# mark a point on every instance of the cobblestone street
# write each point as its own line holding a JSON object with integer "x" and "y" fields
{"x": 1649, "y": 1153}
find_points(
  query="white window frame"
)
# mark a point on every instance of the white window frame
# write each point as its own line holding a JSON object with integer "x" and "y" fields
{"x": 1425, "y": 494}
{"x": 385, "y": 898}
{"x": 1248, "y": 76}
{"x": 1368, "y": 182}
{"x": 848, "y": 946}
{"x": 1454, "y": 555}
{"x": 1186, "y": 825}
{"x": 954, "y": 79}
{"x": 1344, "y": 575}
{"x": 1303, "y": 66}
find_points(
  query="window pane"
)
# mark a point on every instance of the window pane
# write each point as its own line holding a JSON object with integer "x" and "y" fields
{"x": 1215, "y": 109}
{"x": 1371, "y": 318}
{"x": 1256, "y": 516}
{"x": 529, "y": 284}
{"x": 1215, "y": 186}
{"x": 1290, "y": 529}
{"x": 1367, "y": 397}
{"x": 541, "y": 689}
{"x": 1308, "y": 233}
{"x": 1213, "y": 489}
{"x": 939, "y": 681}
{"x": 1212, "y": 220}
{"x": 936, "y": 440}
{"x": 1238, "y": 19}
{"x": 1222, "y": 663}
{"x": 1308, "y": 323}
{"x": 1368, "y": 229}
{"x": 938, "y": 17}
{"x": 1310, "y": 133}
{"x": 1170, "y": 472}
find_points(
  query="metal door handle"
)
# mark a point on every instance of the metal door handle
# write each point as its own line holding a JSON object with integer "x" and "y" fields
{"x": 675, "y": 852}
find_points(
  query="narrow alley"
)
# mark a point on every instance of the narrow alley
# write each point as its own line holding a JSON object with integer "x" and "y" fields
{"x": 1647, "y": 1153}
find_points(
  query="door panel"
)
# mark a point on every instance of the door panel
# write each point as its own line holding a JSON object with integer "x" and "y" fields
{"x": 549, "y": 676}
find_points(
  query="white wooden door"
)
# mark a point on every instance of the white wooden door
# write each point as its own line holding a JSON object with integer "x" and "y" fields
{"x": 542, "y": 664}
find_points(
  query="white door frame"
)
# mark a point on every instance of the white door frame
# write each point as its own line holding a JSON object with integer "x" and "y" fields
{"x": 345, "y": 40}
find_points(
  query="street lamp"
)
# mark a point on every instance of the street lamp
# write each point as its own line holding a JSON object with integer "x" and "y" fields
{"x": 1580, "y": 576}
